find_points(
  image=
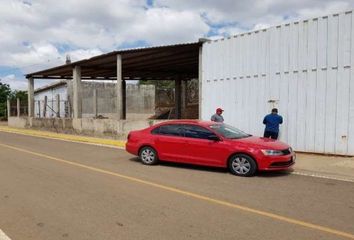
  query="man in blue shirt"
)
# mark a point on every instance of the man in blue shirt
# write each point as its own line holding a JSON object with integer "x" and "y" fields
{"x": 272, "y": 122}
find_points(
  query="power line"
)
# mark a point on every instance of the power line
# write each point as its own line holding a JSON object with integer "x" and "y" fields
{"x": 31, "y": 65}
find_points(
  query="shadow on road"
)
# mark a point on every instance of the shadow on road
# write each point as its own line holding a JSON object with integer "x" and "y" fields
{"x": 186, "y": 166}
{"x": 261, "y": 174}
{"x": 272, "y": 174}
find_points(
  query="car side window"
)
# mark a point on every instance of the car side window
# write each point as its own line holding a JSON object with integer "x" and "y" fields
{"x": 193, "y": 131}
{"x": 169, "y": 130}
{"x": 155, "y": 130}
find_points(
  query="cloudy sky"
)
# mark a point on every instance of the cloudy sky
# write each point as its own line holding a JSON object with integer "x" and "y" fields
{"x": 37, "y": 34}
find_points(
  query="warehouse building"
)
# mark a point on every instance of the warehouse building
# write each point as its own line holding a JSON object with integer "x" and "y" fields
{"x": 304, "y": 68}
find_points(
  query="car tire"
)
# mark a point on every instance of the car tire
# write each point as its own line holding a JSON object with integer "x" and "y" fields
{"x": 242, "y": 165}
{"x": 148, "y": 156}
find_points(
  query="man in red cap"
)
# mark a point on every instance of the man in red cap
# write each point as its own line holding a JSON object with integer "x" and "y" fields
{"x": 217, "y": 117}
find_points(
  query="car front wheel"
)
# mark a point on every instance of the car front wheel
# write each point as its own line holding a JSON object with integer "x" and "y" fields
{"x": 148, "y": 156}
{"x": 242, "y": 165}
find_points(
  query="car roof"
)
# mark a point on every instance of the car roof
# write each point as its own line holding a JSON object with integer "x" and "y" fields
{"x": 184, "y": 121}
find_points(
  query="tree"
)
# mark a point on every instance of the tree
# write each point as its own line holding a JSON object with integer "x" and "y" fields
{"x": 22, "y": 95}
{"x": 5, "y": 92}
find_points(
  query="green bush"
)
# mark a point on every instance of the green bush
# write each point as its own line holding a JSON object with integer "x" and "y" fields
{"x": 5, "y": 92}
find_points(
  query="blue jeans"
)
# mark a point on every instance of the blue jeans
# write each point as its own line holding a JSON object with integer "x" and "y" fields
{"x": 272, "y": 135}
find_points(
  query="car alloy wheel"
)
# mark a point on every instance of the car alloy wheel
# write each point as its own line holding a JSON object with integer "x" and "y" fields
{"x": 148, "y": 156}
{"x": 242, "y": 165}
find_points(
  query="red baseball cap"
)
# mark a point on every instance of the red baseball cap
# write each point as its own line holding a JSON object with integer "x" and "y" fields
{"x": 219, "y": 110}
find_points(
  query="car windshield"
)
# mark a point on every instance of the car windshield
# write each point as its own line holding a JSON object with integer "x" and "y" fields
{"x": 228, "y": 131}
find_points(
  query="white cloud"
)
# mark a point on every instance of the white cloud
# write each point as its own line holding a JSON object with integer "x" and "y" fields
{"x": 32, "y": 32}
{"x": 168, "y": 26}
{"x": 332, "y": 7}
{"x": 228, "y": 31}
{"x": 14, "y": 82}
{"x": 83, "y": 54}
{"x": 34, "y": 54}
{"x": 36, "y": 34}
{"x": 248, "y": 14}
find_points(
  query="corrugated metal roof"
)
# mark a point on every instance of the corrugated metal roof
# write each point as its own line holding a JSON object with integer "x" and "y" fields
{"x": 153, "y": 47}
{"x": 158, "y": 62}
{"x": 50, "y": 86}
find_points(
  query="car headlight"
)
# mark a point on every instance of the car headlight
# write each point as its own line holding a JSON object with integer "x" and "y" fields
{"x": 269, "y": 152}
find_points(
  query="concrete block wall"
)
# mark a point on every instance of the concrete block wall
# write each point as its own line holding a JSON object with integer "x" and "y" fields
{"x": 17, "y": 122}
{"x": 140, "y": 99}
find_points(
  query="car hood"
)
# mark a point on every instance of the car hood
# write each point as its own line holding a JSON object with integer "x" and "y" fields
{"x": 264, "y": 143}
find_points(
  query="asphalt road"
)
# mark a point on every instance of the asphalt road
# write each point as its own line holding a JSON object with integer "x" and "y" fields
{"x": 51, "y": 189}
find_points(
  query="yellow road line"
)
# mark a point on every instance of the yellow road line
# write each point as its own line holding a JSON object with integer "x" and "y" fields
{"x": 64, "y": 137}
{"x": 191, "y": 194}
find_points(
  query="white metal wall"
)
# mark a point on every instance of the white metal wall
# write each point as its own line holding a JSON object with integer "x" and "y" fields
{"x": 304, "y": 68}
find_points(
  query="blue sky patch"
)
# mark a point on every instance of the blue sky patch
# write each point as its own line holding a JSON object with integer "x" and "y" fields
{"x": 62, "y": 48}
{"x": 5, "y": 71}
{"x": 150, "y": 3}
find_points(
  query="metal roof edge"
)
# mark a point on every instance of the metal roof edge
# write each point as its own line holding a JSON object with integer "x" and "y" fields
{"x": 49, "y": 86}
{"x": 33, "y": 74}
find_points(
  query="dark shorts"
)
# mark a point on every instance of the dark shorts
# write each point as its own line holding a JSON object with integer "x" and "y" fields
{"x": 272, "y": 135}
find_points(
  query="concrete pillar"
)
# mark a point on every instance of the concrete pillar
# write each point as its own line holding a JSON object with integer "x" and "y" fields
{"x": 94, "y": 98}
{"x": 30, "y": 97}
{"x": 119, "y": 89}
{"x": 45, "y": 106}
{"x": 184, "y": 99}
{"x": 77, "y": 92}
{"x": 178, "y": 97}
{"x": 58, "y": 105}
{"x": 18, "y": 107}
{"x": 8, "y": 108}
{"x": 39, "y": 108}
{"x": 200, "y": 81}
{"x": 124, "y": 98}
{"x": 69, "y": 107}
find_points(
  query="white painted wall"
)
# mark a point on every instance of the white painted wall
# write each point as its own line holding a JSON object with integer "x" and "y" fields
{"x": 304, "y": 68}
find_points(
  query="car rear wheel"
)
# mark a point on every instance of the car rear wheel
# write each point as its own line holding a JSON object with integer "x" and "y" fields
{"x": 242, "y": 165}
{"x": 148, "y": 156}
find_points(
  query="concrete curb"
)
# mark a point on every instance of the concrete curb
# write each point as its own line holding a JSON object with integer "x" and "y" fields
{"x": 65, "y": 137}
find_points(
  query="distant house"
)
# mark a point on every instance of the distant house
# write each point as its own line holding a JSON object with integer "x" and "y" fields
{"x": 51, "y": 91}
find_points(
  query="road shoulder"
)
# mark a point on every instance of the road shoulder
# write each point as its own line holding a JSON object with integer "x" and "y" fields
{"x": 64, "y": 137}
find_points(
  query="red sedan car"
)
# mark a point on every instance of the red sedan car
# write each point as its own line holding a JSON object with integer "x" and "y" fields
{"x": 210, "y": 144}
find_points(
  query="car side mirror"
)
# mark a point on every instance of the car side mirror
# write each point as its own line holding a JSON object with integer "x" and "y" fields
{"x": 213, "y": 138}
